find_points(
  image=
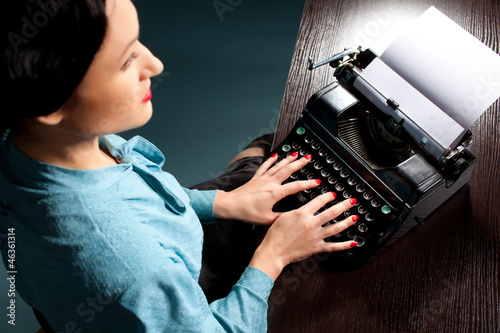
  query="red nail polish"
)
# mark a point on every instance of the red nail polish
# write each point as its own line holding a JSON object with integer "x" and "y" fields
{"x": 318, "y": 181}
{"x": 308, "y": 157}
{"x": 352, "y": 201}
{"x": 334, "y": 194}
{"x": 355, "y": 218}
{"x": 294, "y": 154}
{"x": 354, "y": 244}
{"x": 274, "y": 155}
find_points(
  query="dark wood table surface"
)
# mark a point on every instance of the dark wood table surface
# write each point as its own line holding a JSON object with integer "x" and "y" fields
{"x": 440, "y": 277}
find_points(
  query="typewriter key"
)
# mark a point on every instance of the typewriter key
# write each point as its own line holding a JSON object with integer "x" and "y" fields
{"x": 301, "y": 130}
{"x": 325, "y": 173}
{"x": 359, "y": 240}
{"x": 313, "y": 195}
{"x": 338, "y": 166}
{"x": 308, "y": 139}
{"x": 386, "y": 209}
{"x": 325, "y": 190}
{"x": 347, "y": 194}
{"x": 339, "y": 187}
{"x": 286, "y": 148}
{"x": 311, "y": 176}
{"x": 296, "y": 145}
{"x": 363, "y": 227}
{"x": 330, "y": 159}
{"x": 303, "y": 152}
{"x": 369, "y": 217}
{"x": 344, "y": 173}
{"x": 294, "y": 175}
{"x": 318, "y": 166}
{"x": 375, "y": 203}
{"x": 360, "y": 188}
{"x": 322, "y": 152}
{"x": 367, "y": 195}
{"x": 316, "y": 145}
{"x": 351, "y": 233}
{"x": 332, "y": 179}
{"x": 347, "y": 213}
{"x": 352, "y": 181}
{"x": 362, "y": 209}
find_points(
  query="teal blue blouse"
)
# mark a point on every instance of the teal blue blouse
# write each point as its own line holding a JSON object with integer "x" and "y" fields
{"x": 117, "y": 249}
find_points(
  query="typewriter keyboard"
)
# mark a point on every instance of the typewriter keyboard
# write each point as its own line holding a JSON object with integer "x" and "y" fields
{"x": 337, "y": 177}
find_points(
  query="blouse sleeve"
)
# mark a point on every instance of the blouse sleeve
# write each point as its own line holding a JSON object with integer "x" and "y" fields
{"x": 170, "y": 300}
{"x": 202, "y": 203}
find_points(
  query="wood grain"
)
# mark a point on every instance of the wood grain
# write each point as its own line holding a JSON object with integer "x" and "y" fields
{"x": 441, "y": 277}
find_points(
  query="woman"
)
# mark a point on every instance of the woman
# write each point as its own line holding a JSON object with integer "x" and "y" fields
{"x": 106, "y": 240}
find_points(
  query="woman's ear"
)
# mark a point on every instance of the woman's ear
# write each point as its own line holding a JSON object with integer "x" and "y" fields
{"x": 51, "y": 119}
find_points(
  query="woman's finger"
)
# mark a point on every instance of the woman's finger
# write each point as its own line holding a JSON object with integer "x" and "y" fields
{"x": 266, "y": 165}
{"x": 286, "y": 161}
{"x": 314, "y": 205}
{"x": 298, "y": 186}
{"x": 334, "y": 211}
{"x": 338, "y": 227}
{"x": 339, "y": 246}
{"x": 286, "y": 170}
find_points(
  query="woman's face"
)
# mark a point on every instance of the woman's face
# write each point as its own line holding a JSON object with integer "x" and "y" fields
{"x": 114, "y": 94}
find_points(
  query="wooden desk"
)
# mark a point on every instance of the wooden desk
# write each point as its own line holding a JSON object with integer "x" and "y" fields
{"x": 442, "y": 276}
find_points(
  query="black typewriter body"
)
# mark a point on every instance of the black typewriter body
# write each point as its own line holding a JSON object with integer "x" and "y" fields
{"x": 362, "y": 153}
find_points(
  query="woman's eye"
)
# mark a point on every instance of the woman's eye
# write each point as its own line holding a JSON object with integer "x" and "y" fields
{"x": 129, "y": 61}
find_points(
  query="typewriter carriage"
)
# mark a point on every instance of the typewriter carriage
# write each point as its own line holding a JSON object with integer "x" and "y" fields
{"x": 388, "y": 140}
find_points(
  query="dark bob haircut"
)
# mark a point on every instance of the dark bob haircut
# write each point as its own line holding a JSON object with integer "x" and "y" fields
{"x": 47, "y": 47}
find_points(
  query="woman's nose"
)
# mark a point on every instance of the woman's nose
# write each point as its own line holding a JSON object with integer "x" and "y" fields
{"x": 157, "y": 66}
{"x": 153, "y": 65}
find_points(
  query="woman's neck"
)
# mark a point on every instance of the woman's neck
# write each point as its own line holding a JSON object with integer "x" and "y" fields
{"x": 50, "y": 145}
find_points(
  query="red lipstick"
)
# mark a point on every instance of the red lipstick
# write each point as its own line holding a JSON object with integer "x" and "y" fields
{"x": 148, "y": 96}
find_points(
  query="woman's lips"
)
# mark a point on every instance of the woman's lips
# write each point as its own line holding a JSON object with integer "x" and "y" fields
{"x": 148, "y": 96}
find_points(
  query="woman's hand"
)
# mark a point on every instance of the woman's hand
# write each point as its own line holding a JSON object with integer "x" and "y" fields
{"x": 294, "y": 235}
{"x": 253, "y": 201}
{"x": 300, "y": 233}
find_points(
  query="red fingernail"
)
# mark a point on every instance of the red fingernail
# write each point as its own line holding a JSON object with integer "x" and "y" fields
{"x": 334, "y": 194}
{"x": 318, "y": 181}
{"x": 294, "y": 154}
{"x": 274, "y": 155}
{"x": 355, "y": 218}
{"x": 308, "y": 157}
{"x": 354, "y": 244}
{"x": 353, "y": 201}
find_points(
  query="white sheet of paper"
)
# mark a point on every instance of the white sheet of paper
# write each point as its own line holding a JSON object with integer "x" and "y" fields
{"x": 452, "y": 68}
{"x": 431, "y": 119}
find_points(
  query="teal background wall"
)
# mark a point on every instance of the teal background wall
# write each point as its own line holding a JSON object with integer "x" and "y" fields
{"x": 225, "y": 74}
{"x": 223, "y": 82}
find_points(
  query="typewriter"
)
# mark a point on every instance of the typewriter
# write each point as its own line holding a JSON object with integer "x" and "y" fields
{"x": 363, "y": 152}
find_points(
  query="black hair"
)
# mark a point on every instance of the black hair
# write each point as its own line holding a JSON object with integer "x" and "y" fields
{"x": 47, "y": 47}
